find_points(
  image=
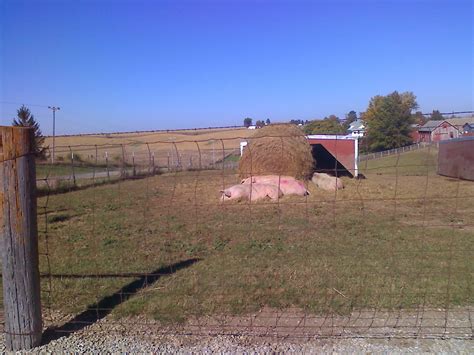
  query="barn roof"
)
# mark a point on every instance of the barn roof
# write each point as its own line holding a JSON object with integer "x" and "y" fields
{"x": 460, "y": 121}
{"x": 432, "y": 125}
{"x": 357, "y": 125}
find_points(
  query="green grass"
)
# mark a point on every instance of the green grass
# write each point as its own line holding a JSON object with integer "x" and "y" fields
{"x": 233, "y": 158}
{"x": 50, "y": 170}
{"x": 415, "y": 163}
{"x": 399, "y": 239}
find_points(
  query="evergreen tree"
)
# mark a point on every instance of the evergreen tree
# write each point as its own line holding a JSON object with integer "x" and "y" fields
{"x": 419, "y": 118}
{"x": 247, "y": 122}
{"x": 436, "y": 115}
{"x": 24, "y": 118}
{"x": 350, "y": 117}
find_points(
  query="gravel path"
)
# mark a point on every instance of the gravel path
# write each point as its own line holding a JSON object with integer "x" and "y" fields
{"x": 107, "y": 336}
{"x": 103, "y": 343}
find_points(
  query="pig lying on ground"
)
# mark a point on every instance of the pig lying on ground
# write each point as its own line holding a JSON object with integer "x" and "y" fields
{"x": 327, "y": 182}
{"x": 287, "y": 184}
{"x": 251, "y": 192}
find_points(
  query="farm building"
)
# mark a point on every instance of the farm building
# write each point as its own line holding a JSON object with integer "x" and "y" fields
{"x": 414, "y": 134}
{"x": 459, "y": 122}
{"x": 456, "y": 158}
{"x": 332, "y": 152}
{"x": 357, "y": 128}
{"x": 435, "y": 131}
{"x": 468, "y": 128}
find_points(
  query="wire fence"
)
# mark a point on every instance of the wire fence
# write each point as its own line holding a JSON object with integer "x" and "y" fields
{"x": 135, "y": 239}
{"x": 395, "y": 151}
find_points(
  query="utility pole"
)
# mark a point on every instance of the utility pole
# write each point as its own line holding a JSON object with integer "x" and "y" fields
{"x": 54, "y": 108}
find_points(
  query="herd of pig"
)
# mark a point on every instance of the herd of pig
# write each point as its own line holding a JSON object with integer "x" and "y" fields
{"x": 275, "y": 187}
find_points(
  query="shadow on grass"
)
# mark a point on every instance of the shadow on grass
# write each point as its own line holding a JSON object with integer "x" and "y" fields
{"x": 102, "y": 308}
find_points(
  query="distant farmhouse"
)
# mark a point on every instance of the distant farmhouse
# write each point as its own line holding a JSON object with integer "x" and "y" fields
{"x": 357, "y": 128}
{"x": 468, "y": 128}
{"x": 435, "y": 131}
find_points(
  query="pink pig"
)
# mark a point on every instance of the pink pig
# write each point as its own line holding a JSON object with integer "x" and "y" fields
{"x": 252, "y": 192}
{"x": 287, "y": 184}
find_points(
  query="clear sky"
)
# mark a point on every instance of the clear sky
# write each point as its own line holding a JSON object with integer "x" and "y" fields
{"x": 135, "y": 65}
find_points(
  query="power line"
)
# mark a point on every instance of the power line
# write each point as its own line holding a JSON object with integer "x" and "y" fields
{"x": 450, "y": 113}
{"x": 22, "y": 103}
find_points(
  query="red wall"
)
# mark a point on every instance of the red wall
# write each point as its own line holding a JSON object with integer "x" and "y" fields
{"x": 342, "y": 149}
{"x": 415, "y": 136}
{"x": 456, "y": 158}
{"x": 444, "y": 132}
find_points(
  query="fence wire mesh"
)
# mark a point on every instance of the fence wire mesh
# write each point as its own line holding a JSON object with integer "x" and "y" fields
{"x": 135, "y": 239}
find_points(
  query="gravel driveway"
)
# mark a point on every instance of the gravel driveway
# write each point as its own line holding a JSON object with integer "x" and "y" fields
{"x": 136, "y": 335}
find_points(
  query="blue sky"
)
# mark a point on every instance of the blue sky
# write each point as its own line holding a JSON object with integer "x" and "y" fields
{"x": 135, "y": 65}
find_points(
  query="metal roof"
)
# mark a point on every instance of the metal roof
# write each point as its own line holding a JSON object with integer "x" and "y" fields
{"x": 357, "y": 125}
{"x": 460, "y": 121}
{"x": 432, "y": 125}
{"x": 329, "y": 136}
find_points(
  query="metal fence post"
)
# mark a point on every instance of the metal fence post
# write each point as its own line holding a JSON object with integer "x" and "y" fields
{"x": 134, "y": 169}
{"x": 107, "y": 165}
{"x": 20, "y": 270}
{"x": 72, "y": 167}
{"x": 153, "y": 163}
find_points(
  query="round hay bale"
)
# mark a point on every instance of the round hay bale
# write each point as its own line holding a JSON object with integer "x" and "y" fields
{"x": 280, "y": 149}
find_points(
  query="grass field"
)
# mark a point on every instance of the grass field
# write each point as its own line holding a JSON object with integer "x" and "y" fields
{"x": 399, "y": 239}
{"x": 142, "y": 143}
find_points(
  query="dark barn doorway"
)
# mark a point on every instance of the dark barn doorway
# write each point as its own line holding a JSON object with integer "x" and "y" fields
{"x": 327, "y": 163}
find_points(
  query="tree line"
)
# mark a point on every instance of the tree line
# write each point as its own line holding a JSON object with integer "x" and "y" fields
{"x": 389, "y": 121}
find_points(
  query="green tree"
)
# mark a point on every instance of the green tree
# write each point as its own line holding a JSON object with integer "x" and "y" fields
{"x": 351, "y": 116}
{"x": 24, "y": 118}
{"x": 328, "y": 125}
{"x": 419, "y": 118}
{"x": 259, "y": 124}
{"x": 389, "y": 120}
{"x": 297, "y": 122}
{"x": 436, "y": 115}
{"x": 247, "y": 122}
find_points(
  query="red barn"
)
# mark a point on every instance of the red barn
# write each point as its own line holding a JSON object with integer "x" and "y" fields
{"x": 436, "y": 131}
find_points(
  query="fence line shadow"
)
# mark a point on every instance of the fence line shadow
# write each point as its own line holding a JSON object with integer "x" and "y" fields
{"x": 102, "y": 308}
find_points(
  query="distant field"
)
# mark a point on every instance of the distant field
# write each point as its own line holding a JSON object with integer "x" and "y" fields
{"x": 402, "y": 238}
{"x": 141, "y": 145}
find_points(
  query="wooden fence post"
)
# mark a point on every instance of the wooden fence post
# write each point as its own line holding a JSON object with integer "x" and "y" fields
{"x": 21, "y": 281}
